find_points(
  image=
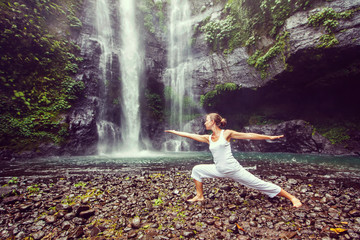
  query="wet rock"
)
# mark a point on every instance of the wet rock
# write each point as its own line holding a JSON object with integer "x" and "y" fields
{"x": 232, "y": 207}
{"x": 69, "y": 216}
{"x": 66, "y": 225}
{"x": 354, "y": 213}
{"x": 188, "y": 233}
{"x": 37, "y": 226}
{"x": 82, "y": 208}
{"x": 87, "y": 214}
{"x": 50, "y": 219}
{"x": 136, "y": 222}
{"x": 18, "y": 217}
{"x": 353, "y": 235}
{"x": 210, "y": 221}
{"x": 8, "y": 191}
{"x": 95, "y": 231}
{"x": 233, "y": 219}
{"x": 132, "y": 234}
{"x": 78, "y": 221}
{"x": 64, "y": 207}
{"x": 218, "y": 224}
{"x": 11, "y": 200}
{"x": 78, "y": 232}
{"x": 38, "y": 235}
{"x": 225, "y": 187}
{"x": 292, "y": 181}
{"x": 20, "y": 235}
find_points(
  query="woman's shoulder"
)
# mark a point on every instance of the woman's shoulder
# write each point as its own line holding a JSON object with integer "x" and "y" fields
{"x": 227, "y": 133}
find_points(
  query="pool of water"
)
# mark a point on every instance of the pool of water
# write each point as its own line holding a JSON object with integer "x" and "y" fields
{"x": 161, "y": 161}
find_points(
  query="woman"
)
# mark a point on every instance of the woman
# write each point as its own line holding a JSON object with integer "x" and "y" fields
{"x": 225, "y": 164}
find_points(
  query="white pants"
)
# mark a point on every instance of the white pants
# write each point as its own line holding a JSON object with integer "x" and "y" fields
{"x": 241, "y": 176}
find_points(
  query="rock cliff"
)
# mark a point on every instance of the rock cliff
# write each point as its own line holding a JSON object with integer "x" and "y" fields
{"x": 307, "y": 68}
{"x": 313, "y": 77}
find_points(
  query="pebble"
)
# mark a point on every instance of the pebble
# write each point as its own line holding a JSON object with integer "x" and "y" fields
{"x": 136, "y": 222}
{"x": 50, "y": 219}
{"x": 233, "y": 219}
{"x": 152, "y": 206}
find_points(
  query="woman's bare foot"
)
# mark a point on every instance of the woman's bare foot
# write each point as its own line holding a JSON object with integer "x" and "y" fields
{"x": 296, "y": 202}
{"x": 196, "y": 199}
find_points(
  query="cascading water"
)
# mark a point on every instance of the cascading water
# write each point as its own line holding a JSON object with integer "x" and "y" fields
{"x": 177, "y": 76}
{"x": 120, "y": 68}
{"x": 131, "y": 62}
{"x": 108, "y": 129}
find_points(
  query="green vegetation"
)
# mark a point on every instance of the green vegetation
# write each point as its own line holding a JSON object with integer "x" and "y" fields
{"x": 158, "y": 202}
{"x": 260, "y": 61}
{"x": 337, "y": 135}
{"x": 222, "y": 34}
{"x": 247, "y": 22}
{"x": 33, "y": 189}
{"x": 153, "y": 14}
{"x": 209, "y": 98}
{"x": 334, "y": 133}
{"x": 90, "y": 193}
{"x": 80, "y": 184}
{"x": 243, "y": 22}
{"x": 13, "y": 180}
{"x": 36, "y": 71}
{"x": 155, "y": 104}
{"x": 329, "y": 19}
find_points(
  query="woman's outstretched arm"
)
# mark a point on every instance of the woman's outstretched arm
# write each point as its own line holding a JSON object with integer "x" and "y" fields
{"x": 229, "y": 134}
{"x": 197, "y": 137}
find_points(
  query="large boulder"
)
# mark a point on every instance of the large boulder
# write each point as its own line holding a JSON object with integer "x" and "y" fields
{"x": 299, "y": 137}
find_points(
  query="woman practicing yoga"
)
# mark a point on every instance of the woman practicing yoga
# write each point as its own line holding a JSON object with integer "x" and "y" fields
{"x": 225, "y": 164}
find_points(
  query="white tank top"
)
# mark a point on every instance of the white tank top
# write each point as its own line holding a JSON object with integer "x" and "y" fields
{"x": 223, "y": 158}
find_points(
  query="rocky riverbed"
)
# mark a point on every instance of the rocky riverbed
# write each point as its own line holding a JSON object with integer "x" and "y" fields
{"x": 151, "y": 204}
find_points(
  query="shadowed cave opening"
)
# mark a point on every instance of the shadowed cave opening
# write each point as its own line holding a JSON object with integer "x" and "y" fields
{"x": 321, "y": 87}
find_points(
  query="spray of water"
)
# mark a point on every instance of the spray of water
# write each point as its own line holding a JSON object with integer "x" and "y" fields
{"x": 131, "y": 62}
{"x": 177, "y": 76}
{"x": 120, "y": 66}
{"x": 109, "y": 131}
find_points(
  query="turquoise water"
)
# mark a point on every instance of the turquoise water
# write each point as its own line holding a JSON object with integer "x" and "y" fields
{"x": 161, "y": 161}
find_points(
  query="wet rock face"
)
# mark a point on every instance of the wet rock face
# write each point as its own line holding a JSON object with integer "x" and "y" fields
{"x": 213, "y": 68}
{"x": 152, "y": 205}
{"x": 82, "y": 130}
{"x": 299, "y": 137}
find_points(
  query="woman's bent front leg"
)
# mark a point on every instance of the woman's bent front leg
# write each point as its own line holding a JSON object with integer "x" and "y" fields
{"x": 198, "y": 173}
{"x": 199, "y": 192}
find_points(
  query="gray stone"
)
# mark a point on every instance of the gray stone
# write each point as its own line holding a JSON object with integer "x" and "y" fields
{"x": 136, "y": 222}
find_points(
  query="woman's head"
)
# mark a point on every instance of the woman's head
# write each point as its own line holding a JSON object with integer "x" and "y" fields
{"x": 218, "y": 120}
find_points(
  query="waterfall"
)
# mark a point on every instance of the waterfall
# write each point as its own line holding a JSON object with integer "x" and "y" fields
{"x": 131, "y": 62}
{"x": 108, "y": 129}
{"x": 177, "y": 77}
{"x": 120, "y": 68}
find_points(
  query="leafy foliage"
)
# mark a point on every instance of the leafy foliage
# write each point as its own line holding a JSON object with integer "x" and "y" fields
{"x": 335, "y": 134}
{"x": 155, "y": 105}
{"x": 219, "y": 33}
{"x": 260, "y": 61}
{"x": 244, "y": 21}
{"x": 329, "y": 19}
{"x": 209, "y": 98}
{"x": 153, "y": 14}
{"x": 36, "y": 71}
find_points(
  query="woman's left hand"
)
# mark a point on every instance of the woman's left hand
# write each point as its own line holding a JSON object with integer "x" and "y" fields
{"x": 276, "y": 137}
